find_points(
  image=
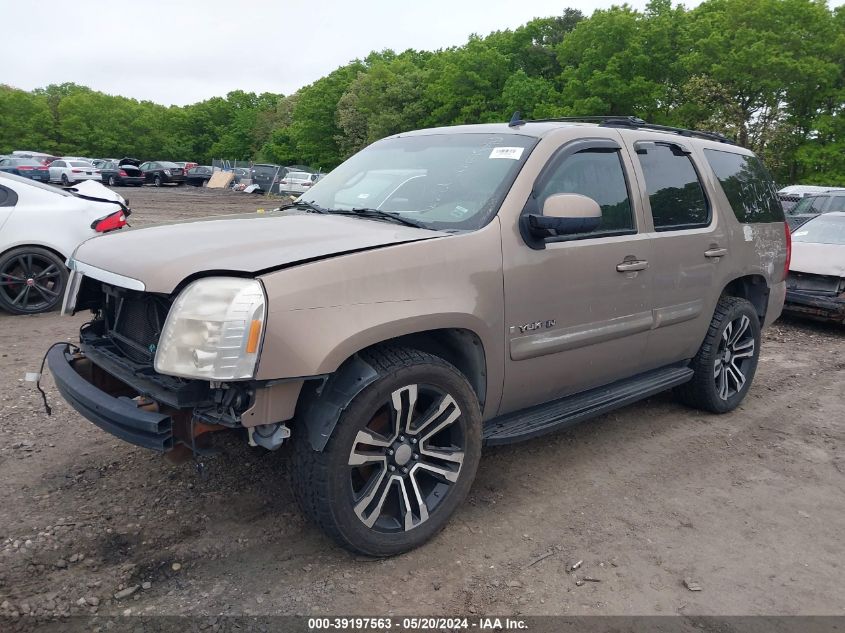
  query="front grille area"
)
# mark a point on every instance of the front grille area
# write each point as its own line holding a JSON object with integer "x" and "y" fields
{"x": 133, "y": 322}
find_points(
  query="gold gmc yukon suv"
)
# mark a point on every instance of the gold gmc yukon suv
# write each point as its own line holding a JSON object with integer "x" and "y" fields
{"x": 439, "y": 291}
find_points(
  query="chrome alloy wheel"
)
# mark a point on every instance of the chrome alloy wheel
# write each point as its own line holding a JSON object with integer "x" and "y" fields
{"x": 736, "y": 351}
{"x": 404, "y": 462}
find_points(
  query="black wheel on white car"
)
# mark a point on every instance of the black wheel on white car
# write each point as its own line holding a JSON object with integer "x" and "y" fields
{"x": 65, "y": 180}
{"x": 402, "y": 457}
{"x": 157, "y": 181}
{"x": 727, "y": 360}
{"x": 32, "y": 280}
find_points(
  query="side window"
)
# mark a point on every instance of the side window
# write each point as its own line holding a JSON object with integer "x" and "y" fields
{"x": 674, "y": 189}
{"x": 8, "y": 198}
{"x": 597, "y": 174}
{"x": 819, "y": 204}
{"x": 747, "y": 185}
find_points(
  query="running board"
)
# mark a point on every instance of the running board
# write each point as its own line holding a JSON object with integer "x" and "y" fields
{"x": 558, "y": 414}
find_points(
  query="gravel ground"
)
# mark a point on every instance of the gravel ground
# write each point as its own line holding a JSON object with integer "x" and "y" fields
{"x": 748, "y": 505}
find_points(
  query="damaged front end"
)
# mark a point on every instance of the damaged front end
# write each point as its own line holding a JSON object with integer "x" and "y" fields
{"x": 111, "y": 379}
{"x": 819, "y": 297}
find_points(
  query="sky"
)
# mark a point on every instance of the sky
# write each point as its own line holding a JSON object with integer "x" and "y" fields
{"x": 184, "y": 51}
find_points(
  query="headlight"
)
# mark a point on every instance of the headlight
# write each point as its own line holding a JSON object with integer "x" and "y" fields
{"x": 213, "y": 330}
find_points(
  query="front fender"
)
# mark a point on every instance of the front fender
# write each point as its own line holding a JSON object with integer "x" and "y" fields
{"x": 322, "y": 313}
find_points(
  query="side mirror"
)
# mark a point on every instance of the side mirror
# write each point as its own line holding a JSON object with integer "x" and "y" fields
{"x": 566, "y": 213}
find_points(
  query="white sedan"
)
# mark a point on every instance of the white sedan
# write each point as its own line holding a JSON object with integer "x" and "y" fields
{"x": 40, "y": 226}
{"x": 70, "y": 170}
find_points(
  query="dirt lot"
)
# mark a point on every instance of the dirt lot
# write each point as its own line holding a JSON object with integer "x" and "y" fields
{"x": 749, "y": 505}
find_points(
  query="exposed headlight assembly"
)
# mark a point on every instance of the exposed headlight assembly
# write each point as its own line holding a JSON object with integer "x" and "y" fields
{"x": 213, "y": 330}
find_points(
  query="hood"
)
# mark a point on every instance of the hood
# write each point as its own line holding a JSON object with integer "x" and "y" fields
{"x": 818, "y": 259}
{"x": 162, "y": 256}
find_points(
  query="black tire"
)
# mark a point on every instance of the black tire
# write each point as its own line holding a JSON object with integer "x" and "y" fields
{"x": 112, "y": 181}
{"x": 727, "y": 359}
{"x": 32, "y": 280}
{"x": 179, "y": 184}
{"x": 157, "y": 181}
{"x": 324, "y": 482}
{"x": 65, "y": 180}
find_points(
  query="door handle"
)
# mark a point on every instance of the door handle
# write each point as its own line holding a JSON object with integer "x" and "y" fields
{"x": 716, "y": 252}
{"x": 632, "y": 265}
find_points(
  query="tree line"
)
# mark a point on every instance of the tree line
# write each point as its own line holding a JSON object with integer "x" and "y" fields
{"x": 768, "y": 73}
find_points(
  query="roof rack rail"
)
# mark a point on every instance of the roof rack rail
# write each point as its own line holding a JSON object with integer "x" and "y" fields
{"x": 637, "y": 123}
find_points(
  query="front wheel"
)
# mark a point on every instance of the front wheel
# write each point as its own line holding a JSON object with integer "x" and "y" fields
{"x": 402, "y": 457}
{"x": 727, "y": 360}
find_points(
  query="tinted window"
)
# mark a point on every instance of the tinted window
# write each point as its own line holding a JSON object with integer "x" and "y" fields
{"x": 8, "y": 198}
{"x": 596, "y": 174}
{"x": 167, "y": 165}
{"x": 674, "y": 190}
{"x": 747, "y": 186}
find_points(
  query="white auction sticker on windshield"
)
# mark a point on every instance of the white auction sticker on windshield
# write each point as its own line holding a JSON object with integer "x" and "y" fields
{"x": 514, "y": 153}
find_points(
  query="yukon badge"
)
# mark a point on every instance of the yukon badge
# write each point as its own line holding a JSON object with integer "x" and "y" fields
{"x": 531, "y": 327}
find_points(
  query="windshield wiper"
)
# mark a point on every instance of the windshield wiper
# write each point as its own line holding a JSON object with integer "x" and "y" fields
{"x": 304, "y": 204}
{"x": 378, "y": 214}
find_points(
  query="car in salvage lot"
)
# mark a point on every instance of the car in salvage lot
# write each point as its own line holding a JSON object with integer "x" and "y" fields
{"x": 122, "y": 172}
{"x": 40, "y": 226}
{"x": 70, "y": 170}
{"x": 26, "y": 167}
{"x": 400, "y": 314}
{"x": 815, "y": 286}
{"x": 162, "y": 172}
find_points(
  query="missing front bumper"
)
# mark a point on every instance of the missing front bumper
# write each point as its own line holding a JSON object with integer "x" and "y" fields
{"x": 825, "y": 307}
{"x": 119, "y": 415}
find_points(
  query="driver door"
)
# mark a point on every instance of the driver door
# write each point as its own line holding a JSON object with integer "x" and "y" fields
{"x": 578, "y": 310}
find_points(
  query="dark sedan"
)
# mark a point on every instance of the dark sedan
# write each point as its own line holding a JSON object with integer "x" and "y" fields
{"x": 162, "y": 172}
{"x": 26, "y": 167}
{"x": 122, "y": 172}
{"x": 198, "y": 176}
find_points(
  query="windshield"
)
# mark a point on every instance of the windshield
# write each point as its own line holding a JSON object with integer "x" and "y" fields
{"x": 167, "y": 165}
{"x": 445, "y": 181}
{"x": 824, "y": 229}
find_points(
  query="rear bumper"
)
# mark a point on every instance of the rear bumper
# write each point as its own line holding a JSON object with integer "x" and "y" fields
{"x": 815, "y": 305}
{"x": 130, "y": 180}
{"x": 119, "y": 416}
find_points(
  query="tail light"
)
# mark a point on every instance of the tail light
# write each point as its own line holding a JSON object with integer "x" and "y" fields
{"x": 788, "y": 250}
{"x": 76, "y": 171}
{"x": 110, "y": 222}
{"x": 122, "y": 173}
{"x": 25, "y": 168}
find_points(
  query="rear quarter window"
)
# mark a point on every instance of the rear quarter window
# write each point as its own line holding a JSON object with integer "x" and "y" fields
{"x": 747, "y": 185}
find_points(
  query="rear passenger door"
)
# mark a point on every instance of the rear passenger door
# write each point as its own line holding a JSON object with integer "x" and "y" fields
{"x": 690, "y": 247}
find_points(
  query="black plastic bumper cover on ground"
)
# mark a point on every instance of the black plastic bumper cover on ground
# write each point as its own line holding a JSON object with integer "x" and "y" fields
{"x": 824, "y": 306}
{"x": 119, "y": 416}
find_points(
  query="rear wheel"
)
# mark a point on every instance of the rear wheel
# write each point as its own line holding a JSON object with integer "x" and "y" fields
{"x": 112, "y": 181}
{"x": 32, "y": 280}
{"x": 402, "y": 457}
{"x": 65, "y": 180}
{"x": 157, "y": 181}
{"x": 727, "y": 360}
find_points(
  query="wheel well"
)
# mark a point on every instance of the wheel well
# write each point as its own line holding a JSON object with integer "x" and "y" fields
{"x": 459, "y": 347}
{"x": 46, "y": 248}
{"x": 754, "y": 289}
